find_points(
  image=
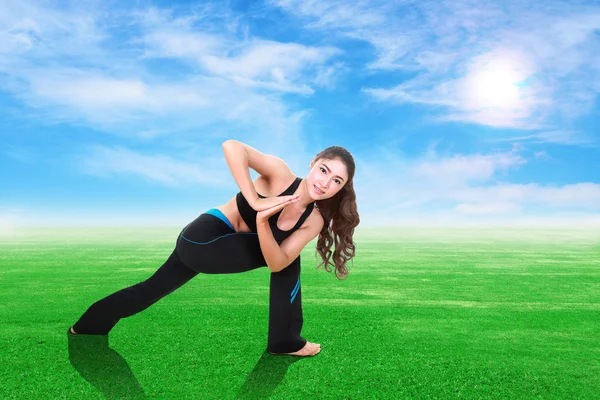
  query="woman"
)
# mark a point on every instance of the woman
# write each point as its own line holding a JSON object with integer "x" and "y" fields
{"x": 267, "y": 223}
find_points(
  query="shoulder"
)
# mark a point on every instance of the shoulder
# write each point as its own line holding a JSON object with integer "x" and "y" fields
{"x": 282, "y": 180}
{"x": 267, "y": 165}
{"x": 272, "y": 186}
{"x": 315, "y": 220}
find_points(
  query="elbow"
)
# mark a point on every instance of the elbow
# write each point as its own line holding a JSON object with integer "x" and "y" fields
{"x": 281, "y": 264}
{"x": 228, "y": 142}
{"x": 279, "y": 268}
{"x": 274, "y": 269}
{"x": 234, "y": 145}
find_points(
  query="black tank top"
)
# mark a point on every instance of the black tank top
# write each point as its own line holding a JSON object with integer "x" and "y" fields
{"x": 248, "y": 214}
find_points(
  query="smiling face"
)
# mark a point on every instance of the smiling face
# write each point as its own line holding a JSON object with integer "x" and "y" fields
{"x": 328, "y": 175}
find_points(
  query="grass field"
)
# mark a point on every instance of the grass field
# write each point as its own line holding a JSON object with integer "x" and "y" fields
{"x": 425, "y": 313}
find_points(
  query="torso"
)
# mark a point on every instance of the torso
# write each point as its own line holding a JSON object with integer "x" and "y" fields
{"x": 287, "y": 218}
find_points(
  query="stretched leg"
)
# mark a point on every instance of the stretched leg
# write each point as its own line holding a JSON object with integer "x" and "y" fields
{"x": 210, "y": 246}
{"x": 104, "y": 314}
{"x": 285, "y": 310}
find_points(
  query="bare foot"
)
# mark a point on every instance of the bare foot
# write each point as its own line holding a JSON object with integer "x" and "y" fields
{"x": 73, "y": 331}
{"x": 309, "y": 349}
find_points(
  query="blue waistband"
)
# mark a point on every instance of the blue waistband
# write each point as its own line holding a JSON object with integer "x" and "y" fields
{"x": 217, "y": 213}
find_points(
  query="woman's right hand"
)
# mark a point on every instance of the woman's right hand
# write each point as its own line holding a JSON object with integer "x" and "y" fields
{"x": 262, "y": 204}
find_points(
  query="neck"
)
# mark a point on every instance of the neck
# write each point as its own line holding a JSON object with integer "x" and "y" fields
{"x": 305, "y": 199}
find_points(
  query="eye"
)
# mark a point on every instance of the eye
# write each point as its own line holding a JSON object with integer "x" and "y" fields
{"x": 337, "y": 180}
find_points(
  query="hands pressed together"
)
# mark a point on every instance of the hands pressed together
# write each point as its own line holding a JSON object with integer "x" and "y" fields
{"x": 271, "y": 205}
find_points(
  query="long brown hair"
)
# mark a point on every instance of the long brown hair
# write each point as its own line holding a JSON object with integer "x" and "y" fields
{"x": 341, "y": 217}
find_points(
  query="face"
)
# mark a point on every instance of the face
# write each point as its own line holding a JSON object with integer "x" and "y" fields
{"x": 327, "y": 175}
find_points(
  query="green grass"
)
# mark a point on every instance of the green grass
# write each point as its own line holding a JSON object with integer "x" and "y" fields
{"x": 438, "y": 314}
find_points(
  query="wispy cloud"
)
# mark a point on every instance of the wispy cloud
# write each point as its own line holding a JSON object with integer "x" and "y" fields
{"x": 171, "y": 84}
{"x": 20, "y": 154}
{"x": 542, "y": 154}
{"x": 448, "y": 187}
{"x": 77, "y": 68}
{"x": 260, "y": 63}
{"x": 460, "y": 169}
{"x": 188, "y": 166}
{"x": 133, "y": 106}
{"x": 565, "y": 137}
{"x": 166, "y": 170}
{"x": 524, "y": 65}
{"x": 468, "y": 185}
{"x": 286, "y": 67}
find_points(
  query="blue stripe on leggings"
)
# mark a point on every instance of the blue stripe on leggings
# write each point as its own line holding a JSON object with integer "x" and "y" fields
{"x": 217, "y": 213}
{"x": 295, "y": 291}
{"x": 220, "y": 237}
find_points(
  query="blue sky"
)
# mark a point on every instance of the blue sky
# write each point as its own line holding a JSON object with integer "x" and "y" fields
{"x": 456, "y": 112}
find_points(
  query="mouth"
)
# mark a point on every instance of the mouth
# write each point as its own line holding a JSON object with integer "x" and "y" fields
{"x": 318, "y": 190}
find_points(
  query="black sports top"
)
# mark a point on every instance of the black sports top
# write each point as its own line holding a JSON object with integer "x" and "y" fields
{"x": 248, "y": 214}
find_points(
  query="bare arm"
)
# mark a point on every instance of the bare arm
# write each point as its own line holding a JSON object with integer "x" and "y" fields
{"x": 278, "y": 257}
{"x": 240, "y": 157}
{"x": 237, "y": 160}
{"x": 274, "y": 255}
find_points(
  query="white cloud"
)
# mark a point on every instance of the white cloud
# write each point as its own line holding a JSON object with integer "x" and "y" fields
{"x": 337, "y": 14}
{"x": 565, "y": 137}
{"x": 431, "y": 219}
{"x": 472, "y": 189}
{"x": 100, "y": 97}
{"x": 170, "y": 171}
{"x": 252, "y": 62}
{"x": 193, "y": 164}
{"x": 270, "y": 61}
{"x": 170, "y": 43}
{"x": 70, "y": 66}
{"x": 90, "y": 91}
{"x": 134, "y": 107}
{"x": 461, "y": 169}
{"x": 552, "y": 57}
{"x": 47, "y": 33}
{"x": 433, "y": 190}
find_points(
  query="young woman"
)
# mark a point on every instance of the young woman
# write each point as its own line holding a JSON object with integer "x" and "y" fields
{"x": 267, "y": 223}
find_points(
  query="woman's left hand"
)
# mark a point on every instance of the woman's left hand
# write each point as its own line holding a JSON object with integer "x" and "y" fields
{"x": 264, "y": 215}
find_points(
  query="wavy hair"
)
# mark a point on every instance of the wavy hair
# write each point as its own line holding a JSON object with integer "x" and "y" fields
{"x": 341, "y": 217}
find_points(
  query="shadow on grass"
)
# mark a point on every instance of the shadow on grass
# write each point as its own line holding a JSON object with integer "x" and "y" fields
{"x": 103, "y": 367}
{"x": 106, "y": 370}
{"x": 267, "y": 374}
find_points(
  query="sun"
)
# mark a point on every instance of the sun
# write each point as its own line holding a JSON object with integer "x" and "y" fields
{"x": 495, "y": 84}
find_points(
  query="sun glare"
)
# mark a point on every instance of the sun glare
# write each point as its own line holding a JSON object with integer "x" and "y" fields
{"x": 495, "y": 85}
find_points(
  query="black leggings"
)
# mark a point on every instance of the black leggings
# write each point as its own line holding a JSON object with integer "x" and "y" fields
{"x": 209, "y": 245}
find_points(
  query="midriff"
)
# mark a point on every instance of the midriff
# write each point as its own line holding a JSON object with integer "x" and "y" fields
{"x": 286, "y": 220}
{"x": 232, "y": 213}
